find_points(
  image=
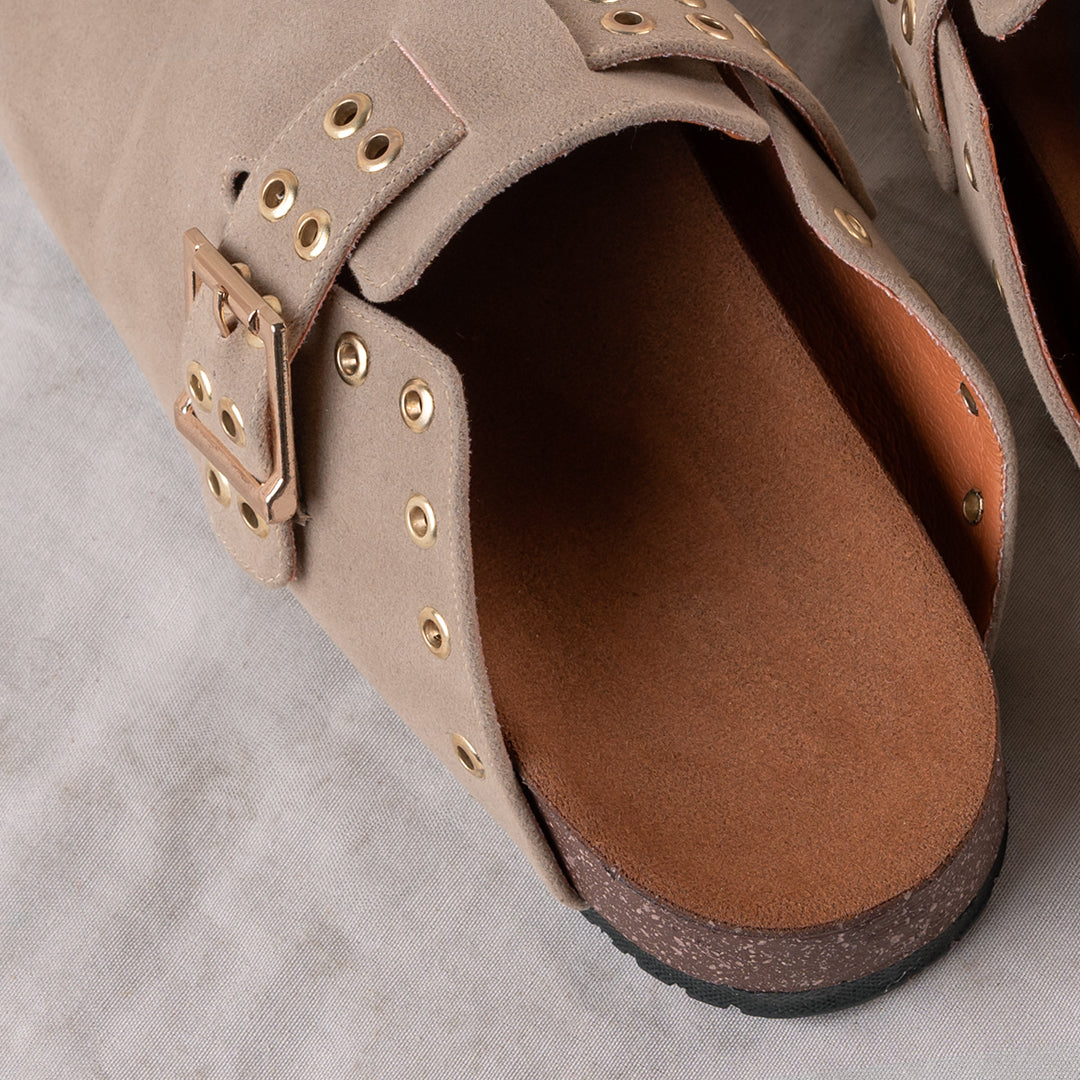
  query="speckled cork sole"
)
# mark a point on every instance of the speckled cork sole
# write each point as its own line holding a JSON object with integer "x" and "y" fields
{"x": 904, "y": 933}
{"x": 819, "y": 999}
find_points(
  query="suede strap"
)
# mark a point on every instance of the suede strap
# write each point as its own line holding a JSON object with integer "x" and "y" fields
{"x": 319, "y": 172}
{"x": 718, "y": 33}
{"x": 997, "y": 18}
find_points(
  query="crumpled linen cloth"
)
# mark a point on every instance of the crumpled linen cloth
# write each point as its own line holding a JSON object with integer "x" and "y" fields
{"x": 223, "y": 857}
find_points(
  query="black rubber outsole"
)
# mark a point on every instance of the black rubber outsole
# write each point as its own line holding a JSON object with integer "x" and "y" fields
{"x": 818, "y": 1000}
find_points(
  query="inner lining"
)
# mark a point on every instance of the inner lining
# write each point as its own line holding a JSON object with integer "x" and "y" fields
{"x": 902, "y": 388}
{"x": 719, "y": 642}
{"x": 1030, "y": 89}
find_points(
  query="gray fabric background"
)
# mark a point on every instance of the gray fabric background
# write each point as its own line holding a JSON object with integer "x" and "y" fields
{"x": 221, "y": 856}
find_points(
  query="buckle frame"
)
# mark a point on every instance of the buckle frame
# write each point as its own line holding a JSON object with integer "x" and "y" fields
{"x": 275, "y": 499}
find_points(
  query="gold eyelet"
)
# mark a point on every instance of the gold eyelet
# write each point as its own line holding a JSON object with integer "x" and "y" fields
{"x": 277, "y": 194}
{"x": 969, "y": 400}
{"x": 969, "y": 168}
{"x": 217, "y": 485}
{"x": 708, "y": 25}
{"x": 627, "y": 22}
{"x": 420, "y": 521}
{"x": 854, "y": 226}
{"x": 973, "y": 507}
{"x": 232, "y": 423}
{"x": 351, "y": 358}
{"x": 467, "y": 756}
{"x": 692, "y": 3}
{"x": 417, "y": 405}
{"x": 347, "y": 116}
{"x": 755, "y": 33}
{"x": 312, "y": 234}
{"x": 252, "y": 520}
{"x": 252, "y": 338}
{"x": 379, "y": 149}
{"x": 435, "y": 633}
{"x": 907, "y": 21}
{"x": 199, "y": 386}
{"x": 997, "y": 279}
{"x": 899, "y": 67}
{"x": 918, "y": 110}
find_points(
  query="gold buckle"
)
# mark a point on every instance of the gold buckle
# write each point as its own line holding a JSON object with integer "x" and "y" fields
{"x": 237, "y": 303}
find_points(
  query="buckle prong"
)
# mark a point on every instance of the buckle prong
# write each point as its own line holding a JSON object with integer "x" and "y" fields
{"x": 236, "y": 302}
{"x": 226, "y": 320}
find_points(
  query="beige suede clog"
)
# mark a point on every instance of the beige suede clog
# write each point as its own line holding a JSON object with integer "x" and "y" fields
{"x": 548, "y": 353}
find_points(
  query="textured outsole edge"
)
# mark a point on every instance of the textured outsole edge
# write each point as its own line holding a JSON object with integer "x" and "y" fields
{"x": 812, "y": 1002}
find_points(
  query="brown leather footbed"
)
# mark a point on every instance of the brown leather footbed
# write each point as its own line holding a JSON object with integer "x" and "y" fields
{"x": 1030, "y": 91}
{"x": 719, "y": 641}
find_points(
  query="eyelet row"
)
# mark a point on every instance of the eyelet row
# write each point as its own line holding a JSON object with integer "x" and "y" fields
{"x": 416, "y": 406}
{"x": 630, "y": 21}
{"x": 375, "y": 151}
